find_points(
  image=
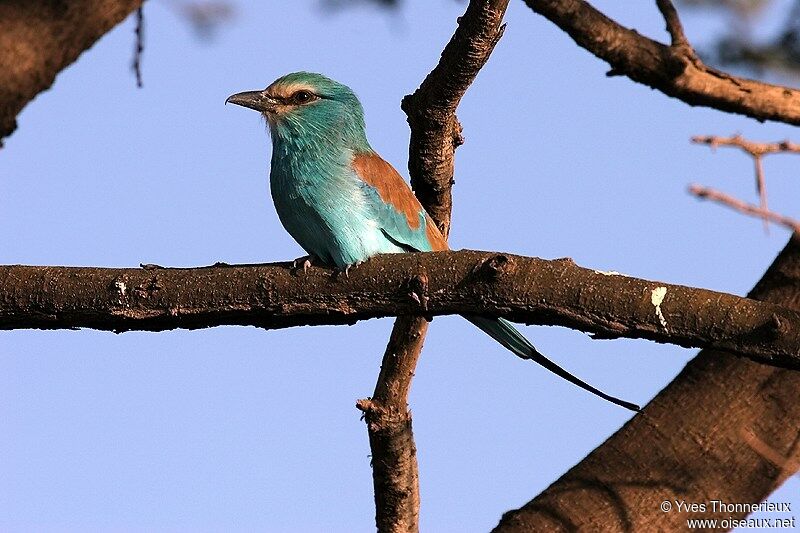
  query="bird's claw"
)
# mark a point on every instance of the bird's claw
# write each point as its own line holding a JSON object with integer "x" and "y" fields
{"x": 305, "y": 261}
{"x": 346, "y": 269}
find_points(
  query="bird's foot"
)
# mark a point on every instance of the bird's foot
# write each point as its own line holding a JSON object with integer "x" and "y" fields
{"x": 305, "y": 262}
{"x": 346, "y": 269}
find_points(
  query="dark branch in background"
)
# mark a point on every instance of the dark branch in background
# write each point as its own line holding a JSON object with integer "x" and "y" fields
{"x": 38, "y": 38}
{"x": 529, "y": 290}
{"x": 673, "y": 70}
{"x": 707, "y": 193}
{"x": 725, "y": 427}
{"x": 435, "y": 134}
{"x": 739, "y": 47}
{"x": 339, "y": 4}
{"x": 138, "y": 47}
{"x": 435, "y": 131}
{"x": 757, "y": 151}
{"x": 205, "y": 17}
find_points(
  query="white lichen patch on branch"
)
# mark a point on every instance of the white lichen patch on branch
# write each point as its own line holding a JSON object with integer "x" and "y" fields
{"x": 121, "y": 288}
{"x": 656, "y": 297}
{"x": 609, "y": 273}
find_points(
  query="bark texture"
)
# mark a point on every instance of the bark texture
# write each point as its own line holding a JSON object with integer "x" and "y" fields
{"x": 395, "y": 472}
{"x": 521, "y": 289}
{"x": 674, "y": 70}
{"x": 435, "y": 130}
{"x": 726, "y": 428}
{"x": 435, "y": 134}
{"x": 39, "y": 38}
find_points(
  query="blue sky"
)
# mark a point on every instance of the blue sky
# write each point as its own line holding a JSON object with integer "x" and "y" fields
{"x": 243, "y": 429}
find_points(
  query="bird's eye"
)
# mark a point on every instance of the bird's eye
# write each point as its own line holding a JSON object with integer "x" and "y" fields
{"x": 302, "y": 97}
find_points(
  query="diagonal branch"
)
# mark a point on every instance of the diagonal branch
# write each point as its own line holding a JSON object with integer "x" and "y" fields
{"x": 435, "y": 134}
{"x": 674, "y": 26}
{"x": 743, "y": 207}
{"x": 435, "y": 131}
{"x": 673, "y": 70}
{"x": 522, "y": 289}
{"x": 39, "y": 38}
{"x": 725, "y": 429}
{"x": 391, "y": 439}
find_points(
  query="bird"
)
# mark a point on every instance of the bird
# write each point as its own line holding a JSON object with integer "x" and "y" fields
{"x": 342, "y": 202}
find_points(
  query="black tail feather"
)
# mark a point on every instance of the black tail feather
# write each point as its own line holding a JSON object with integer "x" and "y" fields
{"x": 506, "y": 334}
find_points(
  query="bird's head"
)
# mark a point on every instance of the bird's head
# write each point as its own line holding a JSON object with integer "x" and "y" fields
{"x": 307, "y": 105}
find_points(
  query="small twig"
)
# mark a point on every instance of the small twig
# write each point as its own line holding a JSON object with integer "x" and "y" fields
{"x": 139, "y": 46}
{"x": 674, "y": 26}
{"x": 761, "y": 188}
{"x": 757, "y": 151}
{"x": 749, "y": 209}
{"x": 751, "y": 147}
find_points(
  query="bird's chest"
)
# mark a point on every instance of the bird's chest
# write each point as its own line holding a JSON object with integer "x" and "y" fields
{"x": 325, "y": 210}
{"x": 304, "y": 192}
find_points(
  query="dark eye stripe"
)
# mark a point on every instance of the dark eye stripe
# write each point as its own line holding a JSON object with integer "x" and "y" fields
{"x": 289, "y": 99}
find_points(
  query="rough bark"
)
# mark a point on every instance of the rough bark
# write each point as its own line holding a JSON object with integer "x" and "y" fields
{"x": 435, "y": 130}
{"x": 395, "y": 472}
{"x": 435, "y": 134}
{"x": 674, "y": 70}
{"x": 726, "y": 428}
{"x": 39, "y": 38}
{"x": 521, "y": 289}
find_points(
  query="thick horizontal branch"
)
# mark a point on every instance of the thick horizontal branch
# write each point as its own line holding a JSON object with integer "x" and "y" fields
{"x": 674, "y": 70}
{"x": 522, "y": 289}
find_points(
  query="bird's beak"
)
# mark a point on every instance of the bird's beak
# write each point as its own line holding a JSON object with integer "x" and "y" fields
{"x": 254, "y": 100}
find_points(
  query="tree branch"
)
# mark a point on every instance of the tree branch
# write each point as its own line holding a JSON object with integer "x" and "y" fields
{"x": 435, "y": 134}
{"x": 673, "y": 70}
{"x": 674, "y": 26}
{"x": 725, "y": 429}
{"x": 39, "y": 38}
{"x": 522, "y": 289}
{"x": 391, "y": 439}
{"x": 435, "y": 131}
{"x": 756, "y": 150}
{"x": 750, "y": 147}
{"x": 707, "y": 193}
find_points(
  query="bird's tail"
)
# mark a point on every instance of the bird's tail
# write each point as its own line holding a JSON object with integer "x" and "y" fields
{"x": 506, "y": 334}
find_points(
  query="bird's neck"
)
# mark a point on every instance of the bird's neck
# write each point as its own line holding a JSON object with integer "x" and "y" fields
{"x": 302, "y": 151}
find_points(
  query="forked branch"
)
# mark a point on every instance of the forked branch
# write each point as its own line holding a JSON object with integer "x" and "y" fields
{"x": 756, "y": 150}
{"x": 674, "y": 70}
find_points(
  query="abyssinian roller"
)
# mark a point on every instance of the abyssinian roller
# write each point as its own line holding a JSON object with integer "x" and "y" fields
{"x": 342, "y": 202}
